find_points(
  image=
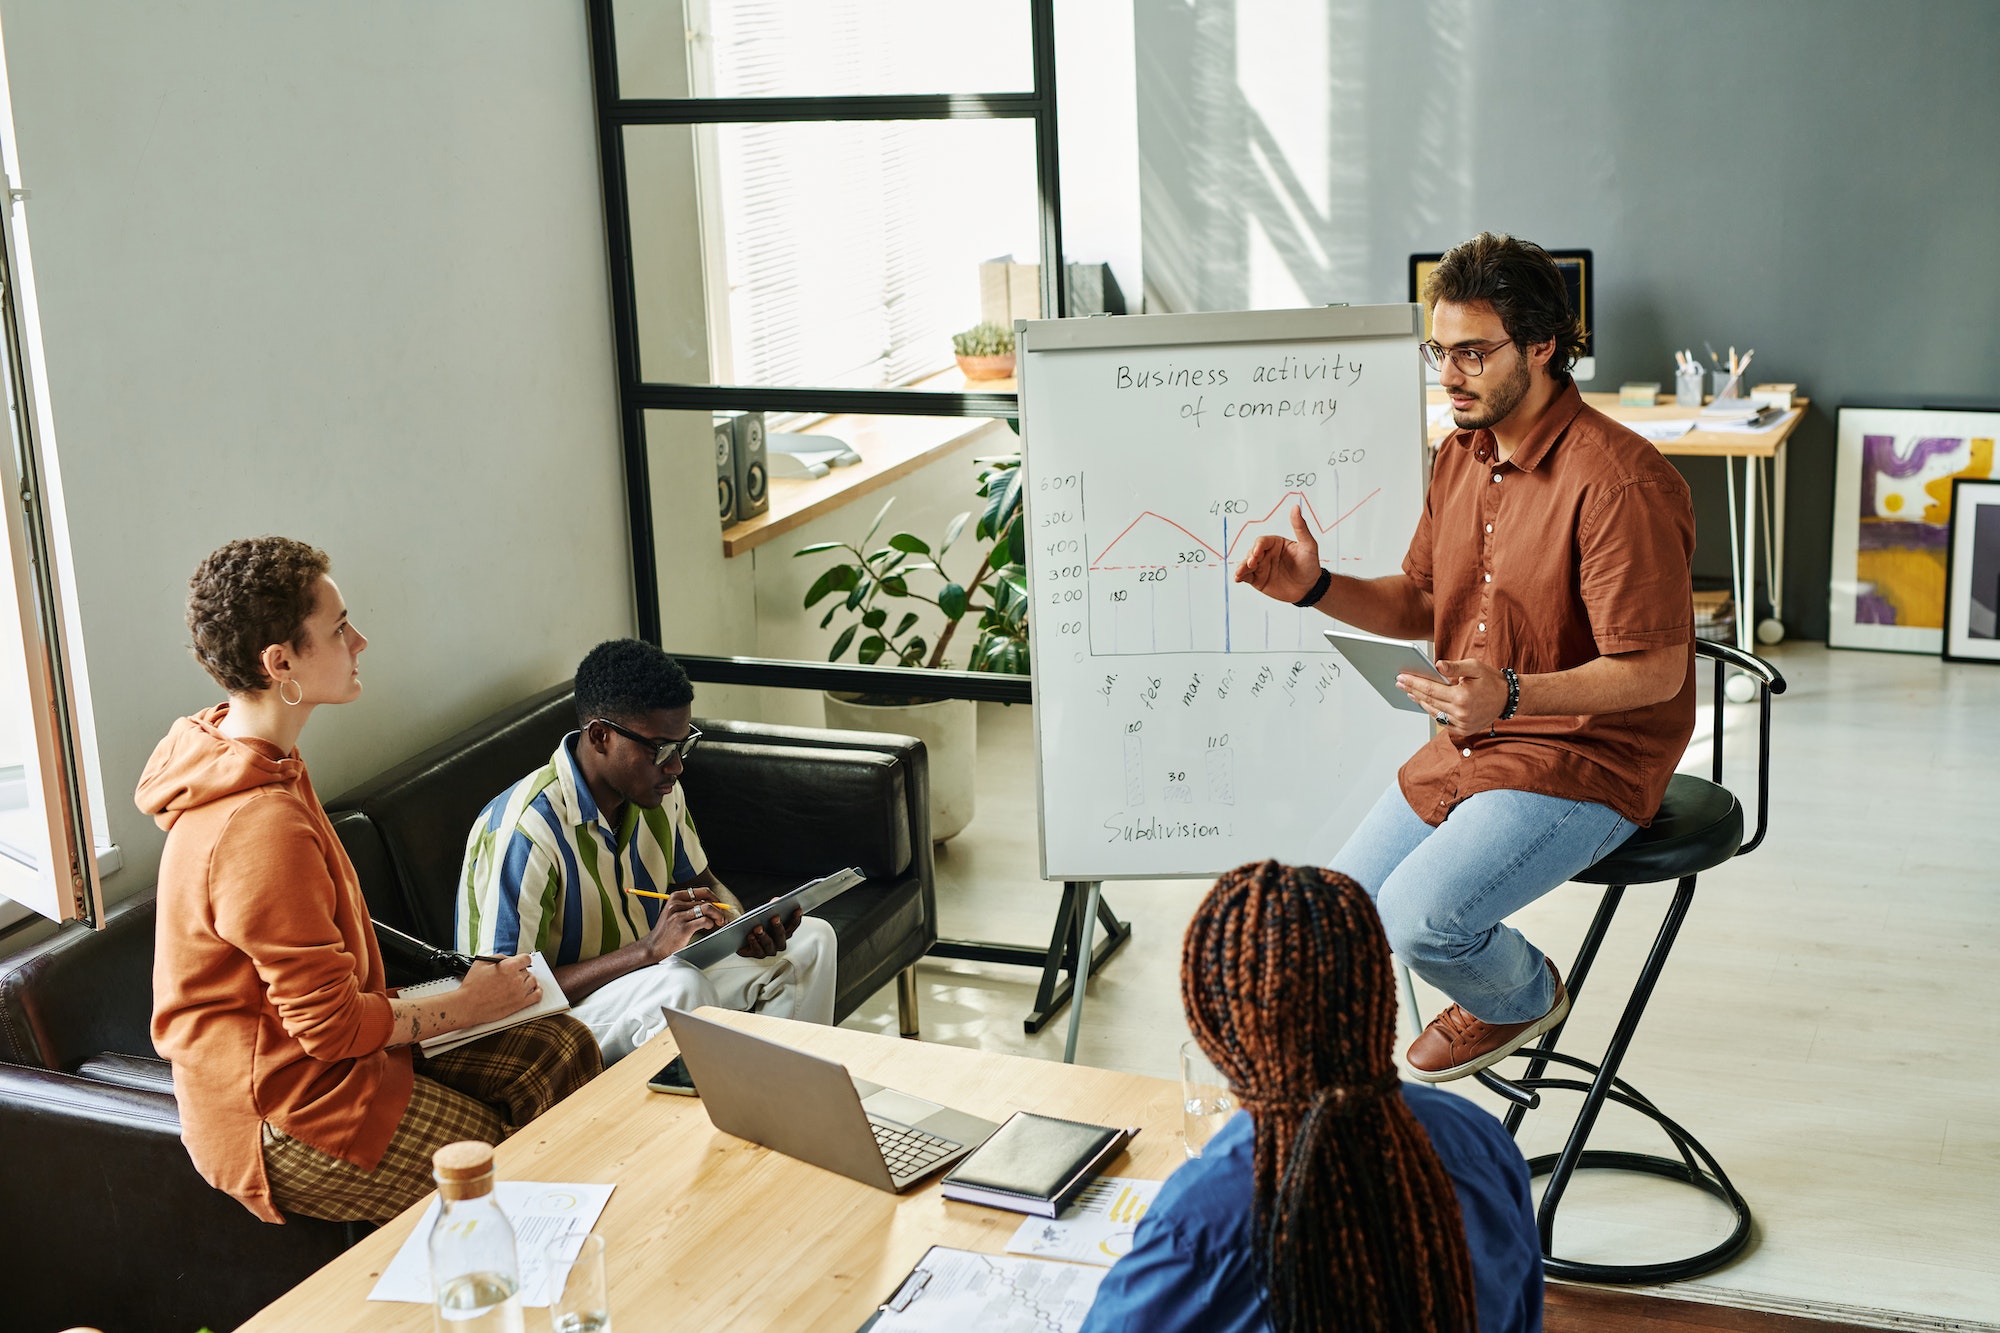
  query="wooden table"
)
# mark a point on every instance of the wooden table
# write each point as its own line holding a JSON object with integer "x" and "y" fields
{"x": 1753, "y": 449}
{"x": 711, "y": 1232}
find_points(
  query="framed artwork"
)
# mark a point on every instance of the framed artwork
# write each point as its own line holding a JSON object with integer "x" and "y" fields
{"x": 1892, "y": 504}
{"x": 1972, "y": 573}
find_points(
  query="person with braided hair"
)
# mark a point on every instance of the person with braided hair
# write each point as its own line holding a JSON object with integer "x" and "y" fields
{"x": 1342, "y": 1198}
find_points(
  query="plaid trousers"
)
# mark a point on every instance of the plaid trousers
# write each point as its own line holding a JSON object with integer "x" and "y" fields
{"x": 483, "y": 1090}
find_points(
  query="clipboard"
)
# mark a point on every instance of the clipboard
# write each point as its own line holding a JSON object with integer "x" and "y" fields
{"x": 1044, "y": 1294}
{"x": 725, "y": 940}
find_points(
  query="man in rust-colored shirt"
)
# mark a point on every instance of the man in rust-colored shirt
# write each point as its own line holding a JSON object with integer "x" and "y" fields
{"x": 1551, "y": 569}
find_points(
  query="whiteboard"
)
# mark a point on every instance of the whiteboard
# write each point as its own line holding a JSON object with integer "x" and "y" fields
{"x": 1185, "y": 724}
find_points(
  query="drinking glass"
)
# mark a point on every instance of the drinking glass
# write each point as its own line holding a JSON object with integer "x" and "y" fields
{"x": 577, "y": 1299}
{"x": 1205, "y": 1097}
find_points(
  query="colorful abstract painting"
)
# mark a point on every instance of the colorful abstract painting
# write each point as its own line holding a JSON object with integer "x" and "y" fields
{"x": 1892, "y": 521}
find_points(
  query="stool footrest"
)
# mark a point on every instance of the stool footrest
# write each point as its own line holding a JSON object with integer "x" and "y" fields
{"x": 1512, "y": 1091}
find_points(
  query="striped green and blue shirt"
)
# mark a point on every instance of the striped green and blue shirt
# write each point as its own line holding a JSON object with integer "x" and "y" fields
{"x": 544, "y": 872}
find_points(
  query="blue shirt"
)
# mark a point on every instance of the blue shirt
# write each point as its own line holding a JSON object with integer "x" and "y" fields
{"x": 1195, "y": 1258}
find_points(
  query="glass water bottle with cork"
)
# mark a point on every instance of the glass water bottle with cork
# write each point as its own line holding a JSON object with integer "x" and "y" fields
{"x": 475, "y": 1271}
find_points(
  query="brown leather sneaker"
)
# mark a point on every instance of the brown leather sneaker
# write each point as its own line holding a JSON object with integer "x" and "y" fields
{"x": 1456, "y": 1044}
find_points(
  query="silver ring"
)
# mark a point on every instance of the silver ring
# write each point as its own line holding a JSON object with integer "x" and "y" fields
{"x": 1442, "y": 718}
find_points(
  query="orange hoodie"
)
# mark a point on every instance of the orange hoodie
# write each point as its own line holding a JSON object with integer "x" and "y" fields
{"x": 268, "y": 990}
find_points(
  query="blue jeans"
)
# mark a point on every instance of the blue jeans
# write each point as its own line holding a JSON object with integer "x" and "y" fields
{"x": 1444, "y": 892}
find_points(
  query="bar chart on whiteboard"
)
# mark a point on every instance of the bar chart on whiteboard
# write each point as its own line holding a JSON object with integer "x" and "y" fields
{"x": 1185, "y": 722}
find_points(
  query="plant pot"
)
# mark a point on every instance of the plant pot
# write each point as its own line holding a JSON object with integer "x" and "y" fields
{"x": 949, "y": 729}
{"x": 987, "y": 367}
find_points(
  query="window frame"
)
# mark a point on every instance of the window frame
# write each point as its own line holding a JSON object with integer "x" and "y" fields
{"x": 637, "y": 396}
{"x": 59, "y": 750}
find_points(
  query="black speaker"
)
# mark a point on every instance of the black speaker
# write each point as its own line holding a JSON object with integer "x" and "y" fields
{"x": 753, "y": 471}
{"x": 725, "y": 469}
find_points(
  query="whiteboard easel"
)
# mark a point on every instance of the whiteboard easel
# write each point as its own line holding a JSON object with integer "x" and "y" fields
{"x": 1185, "y": 724}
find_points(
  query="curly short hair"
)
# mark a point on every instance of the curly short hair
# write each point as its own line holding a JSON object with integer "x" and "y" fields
{"x": 1522, "y": 284}
{"x": 246, "y": 596}
{"x": 625, "y": 679}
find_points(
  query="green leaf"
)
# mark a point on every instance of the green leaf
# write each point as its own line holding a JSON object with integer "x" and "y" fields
{"x": 909, "y": 619}
{"x": 952, "y": 530}
{"x": 877, "y": 524}
{"x": 840, "y": 644}
{"x": 840, "y": 578}
{"x": 870, "y": 651}
{"x": 1004, "y": 502}
{"x": 895, "y": 586}
{"x": 914, "y": 650}
{"x": 831, "y": 612}
{"x": 860, "y": 591}
{"x": 874, "y": 616}
{"x": 815, "y": 549}
{"x": 952, "y": 601}
{"x": 904, "y": 541}
{"x": 1017, "y": 542}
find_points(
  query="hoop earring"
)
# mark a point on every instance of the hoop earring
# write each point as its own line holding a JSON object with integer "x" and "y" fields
{"x": 293, "y": 702}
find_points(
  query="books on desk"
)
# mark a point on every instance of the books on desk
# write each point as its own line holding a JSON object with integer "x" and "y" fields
{"x": 1035, "y": 1164}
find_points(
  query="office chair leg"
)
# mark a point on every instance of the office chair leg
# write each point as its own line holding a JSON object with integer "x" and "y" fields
{"x": 1579, "y": 971}
{"x": 906, "y": 1000}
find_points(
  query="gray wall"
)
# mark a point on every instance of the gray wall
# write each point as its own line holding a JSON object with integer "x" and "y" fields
{"x": 337, "y": 272}
{"x": 1818, "y": 181}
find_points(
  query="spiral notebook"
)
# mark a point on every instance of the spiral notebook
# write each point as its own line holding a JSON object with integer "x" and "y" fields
{"x": 552, "y": 1001}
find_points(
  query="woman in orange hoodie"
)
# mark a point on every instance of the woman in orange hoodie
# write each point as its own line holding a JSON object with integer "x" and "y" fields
{"x": 300, "y": 1086}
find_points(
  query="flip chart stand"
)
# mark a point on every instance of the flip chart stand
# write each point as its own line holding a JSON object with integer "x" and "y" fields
{"x": 1074, "y": 927}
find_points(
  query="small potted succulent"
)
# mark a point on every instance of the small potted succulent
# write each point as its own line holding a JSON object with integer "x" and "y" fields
{"x": 985, "y": 351}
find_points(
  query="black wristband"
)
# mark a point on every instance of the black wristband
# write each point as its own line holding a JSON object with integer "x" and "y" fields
{"x": 1320, "y": 585}
{"x": 1513, "y": 693}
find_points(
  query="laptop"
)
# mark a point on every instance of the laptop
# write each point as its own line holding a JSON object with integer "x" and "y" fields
{"x": 814, "y": 1110}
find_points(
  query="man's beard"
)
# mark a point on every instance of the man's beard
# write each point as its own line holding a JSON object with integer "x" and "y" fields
{"x": 1495, "y": 405}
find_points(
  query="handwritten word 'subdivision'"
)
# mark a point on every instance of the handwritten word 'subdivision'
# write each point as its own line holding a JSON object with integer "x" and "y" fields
{"x": 1172, "y": 377}
{"x": 1120, "y": 829}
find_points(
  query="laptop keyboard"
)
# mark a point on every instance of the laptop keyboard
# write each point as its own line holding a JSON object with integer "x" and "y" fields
{"x": 907, "y": 1151}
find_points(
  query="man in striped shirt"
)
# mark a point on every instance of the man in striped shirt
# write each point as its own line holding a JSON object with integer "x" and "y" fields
{"x": 563, "y": 863}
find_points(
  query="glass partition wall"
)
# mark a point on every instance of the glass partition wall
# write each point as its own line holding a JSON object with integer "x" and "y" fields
{"x": 855, "y": 162}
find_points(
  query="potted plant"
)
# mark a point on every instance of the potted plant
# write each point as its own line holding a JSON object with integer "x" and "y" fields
{"x": 907, "y": 580}
{"x": 985, "y": 351}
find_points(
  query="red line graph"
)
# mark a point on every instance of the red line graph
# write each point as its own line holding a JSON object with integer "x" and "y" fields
{"x": 1312, "y": 517}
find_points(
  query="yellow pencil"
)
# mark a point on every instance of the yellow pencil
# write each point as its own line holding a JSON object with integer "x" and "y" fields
{"x": 648, "y": 893}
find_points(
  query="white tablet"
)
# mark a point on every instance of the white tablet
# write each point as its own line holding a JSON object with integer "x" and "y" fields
{"x": 723, "y": 941}
{"x": 1380, "y": 661}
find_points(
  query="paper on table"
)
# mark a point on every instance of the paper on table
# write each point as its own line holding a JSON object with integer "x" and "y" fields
{"x": 1096, "y": 1229}
{"x": 950, "y": 1291}
{"x": 539, "y": 1212}
{"x": 1659, "y": 432}
{"x": 1744, "y": 427}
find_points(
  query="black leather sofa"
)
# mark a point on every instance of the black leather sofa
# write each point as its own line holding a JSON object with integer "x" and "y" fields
{"x": 106, "y": 1221}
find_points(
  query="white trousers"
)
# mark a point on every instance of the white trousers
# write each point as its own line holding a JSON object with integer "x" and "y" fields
{"x": 797, "y": 983}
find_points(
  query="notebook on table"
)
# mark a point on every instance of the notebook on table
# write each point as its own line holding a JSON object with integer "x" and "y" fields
{"x": 1035, "y": 1164}
{"x": 551, "y": 1001}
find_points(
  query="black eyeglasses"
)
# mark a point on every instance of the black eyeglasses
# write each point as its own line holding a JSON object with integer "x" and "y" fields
{"x": 662, "y": 750}
{"x": 1470, "y": 360}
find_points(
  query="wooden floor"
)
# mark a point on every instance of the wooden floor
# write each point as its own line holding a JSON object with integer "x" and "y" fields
{"x": 1570, "y": 1309}
{"x": 1825, "y": 1024}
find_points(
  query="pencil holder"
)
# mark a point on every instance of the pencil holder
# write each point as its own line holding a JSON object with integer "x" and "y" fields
{"x": 1687, "y": 387}
{"x": 1728, "y": 387}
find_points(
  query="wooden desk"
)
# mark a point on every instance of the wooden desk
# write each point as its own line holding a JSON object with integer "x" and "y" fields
{"x": 1753, "y": 449}
{"x": 708, "y": 1231}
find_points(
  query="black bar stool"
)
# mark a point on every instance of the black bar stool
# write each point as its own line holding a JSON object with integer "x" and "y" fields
{"x": 1700, "y": 826}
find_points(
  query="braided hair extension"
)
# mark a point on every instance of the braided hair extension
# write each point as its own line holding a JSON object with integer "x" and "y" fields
{"x": 1285, "y": 977}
